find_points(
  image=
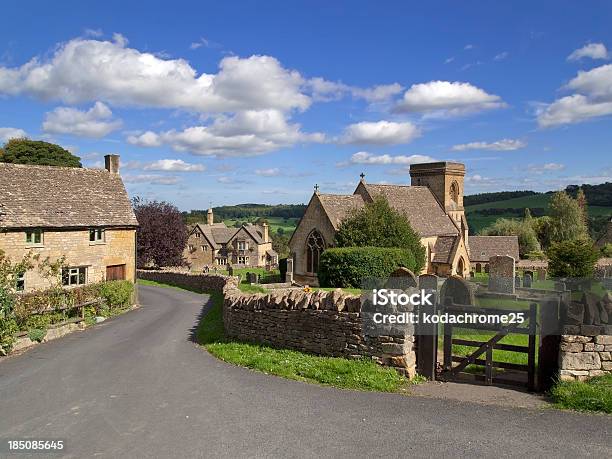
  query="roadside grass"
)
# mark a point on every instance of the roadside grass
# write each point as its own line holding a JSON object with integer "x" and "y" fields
{"x": 594, "y": 394}
{"x": 353, "y": 291}
{"x": 159, "y": 284}
{"x": 333, "y": 371}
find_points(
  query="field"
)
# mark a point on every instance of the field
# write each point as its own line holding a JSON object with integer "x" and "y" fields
{"x": 287, "y": 224}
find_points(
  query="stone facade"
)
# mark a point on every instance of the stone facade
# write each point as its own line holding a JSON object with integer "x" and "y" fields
{"x": 582, "y": 357}
{"x": 117, "y": 249}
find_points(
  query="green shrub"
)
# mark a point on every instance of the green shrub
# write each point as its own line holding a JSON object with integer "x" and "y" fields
{"x": 39, "y": 321}
{"x": 606, "y": 250}
{"x": 8, "y": 328}
{"x": 573, "y": 258}
{"x": 592, "y": 395}
{"x": 116, "y": 294}
{"x": 348, "y": 266}
{"x": 37, "y": 334}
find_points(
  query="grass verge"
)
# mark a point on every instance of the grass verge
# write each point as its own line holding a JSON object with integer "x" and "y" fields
{"x": 332, "y": 371}
{"x": 592, "y": 395}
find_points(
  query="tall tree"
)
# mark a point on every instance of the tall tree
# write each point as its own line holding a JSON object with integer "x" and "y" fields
{"x": 582, "y": 203}
{"x": 26, "y": 151}
{"x": 377, "y": 224}
{"x": 527, "y": 239}
{"x": 162, "y": 234}
{"x": 566, "y": 218}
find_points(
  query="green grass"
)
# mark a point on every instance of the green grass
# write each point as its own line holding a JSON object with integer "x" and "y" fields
{"x": 592, "y": 395}
{"x": 159, "y": 284}
{"x": 333, "y": 371}
{"x": 353, "y": 291}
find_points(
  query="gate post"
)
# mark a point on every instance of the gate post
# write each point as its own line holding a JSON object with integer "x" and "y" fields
{"x": 427, "y": 342}
{"x": 548, "y": 360}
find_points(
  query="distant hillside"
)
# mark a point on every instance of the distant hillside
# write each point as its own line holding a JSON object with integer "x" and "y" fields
{"x": 248, "y": 212}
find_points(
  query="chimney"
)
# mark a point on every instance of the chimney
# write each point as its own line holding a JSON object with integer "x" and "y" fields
{"x": 209, "y": 217}
{"x": 111, "y": 163}
{"x": 266, "y": 235}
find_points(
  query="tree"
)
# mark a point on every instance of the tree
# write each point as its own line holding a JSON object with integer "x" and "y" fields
{"x": 582, "y": 203}
{"x": 162, "y": 234}
{"x": 566, "y": 218}
{"x": 527, "y": 239}
{"x": 572, "y": 258}
{"x": 25, "y": 151}
{"x": 377, "y": 224}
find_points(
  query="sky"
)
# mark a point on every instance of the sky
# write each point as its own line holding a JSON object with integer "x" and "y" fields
{"x": 235, "y": 102}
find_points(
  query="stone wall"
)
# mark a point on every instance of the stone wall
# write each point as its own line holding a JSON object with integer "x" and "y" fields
{"x": 191, "y": 281}
{"x": 583, "y": 357}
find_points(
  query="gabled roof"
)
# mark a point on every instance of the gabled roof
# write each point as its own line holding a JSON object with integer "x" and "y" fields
{"x": 222, "y": 234}
{"x": 482, "y": 248}
{"x": 339, "y": 206}
{"x": 443, "y": 249}
{"x": 55, "y": 197}
{"x": 418, "y": 203}
{"x": 218, "y": 234}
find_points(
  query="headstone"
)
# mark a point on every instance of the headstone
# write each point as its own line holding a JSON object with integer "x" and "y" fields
{"x": 575, "y": 313}
{"x": 541, "y": 274}
{"x": 428, "y": 282}
{"x": 472, "y": 274}
{"x": 402, "y": 278}
{"x": 251, "y": 278}
{"x": 501, "y": 274}
{"x": 591, "y": 309}
{"x": 527, "y": 280}
{"x": 289, "y": 273}
{"x": 458, "y": 290}
{"x": 517, "y": 281}
{"x": 230, "y": 270}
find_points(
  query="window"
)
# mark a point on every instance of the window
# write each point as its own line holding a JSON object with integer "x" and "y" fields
{"x": 454, "y": 192}
{"x": 204, "y": 248}
{"x": 20, "y": 283}
{"x": 243, "y": 245}
{"x": 221, "y": 261}
{"x": 34, "y": 237}
{"x": 96, "y": 235}
{"x": 243, "y": 260}
{"x": 315, "y": 244}
{"x": 74, "y": 276}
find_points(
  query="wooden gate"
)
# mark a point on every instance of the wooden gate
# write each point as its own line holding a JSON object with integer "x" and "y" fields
{"x": 115, "y": 272}
{"x": 454, "y": 366}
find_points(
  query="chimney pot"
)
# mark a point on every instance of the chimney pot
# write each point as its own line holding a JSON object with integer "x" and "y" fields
{"x": 111, "y": 163}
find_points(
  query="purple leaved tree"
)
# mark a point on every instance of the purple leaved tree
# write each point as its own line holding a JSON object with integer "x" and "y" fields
{"x": 162, "y": 234}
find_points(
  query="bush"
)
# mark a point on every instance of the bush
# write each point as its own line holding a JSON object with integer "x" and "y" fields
{"x": 575, "y": 258}
{"x": 116, "y": 294}
{"x": 8, "y": 328}
{"x": 37, "y": 334}
{"x": 606, "y": 250}
{"x": 348, "y": 266}
{"x": 527, "y": 238}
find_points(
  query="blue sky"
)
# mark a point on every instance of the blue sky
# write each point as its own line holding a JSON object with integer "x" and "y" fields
{"x": 258, "y": 101}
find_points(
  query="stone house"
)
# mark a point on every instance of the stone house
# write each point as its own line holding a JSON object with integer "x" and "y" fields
{"x": 482, "y": 248}
{"x": 214, "y": 244}
{"x": 433, "y": 204}
{"x": 84, "y": 215}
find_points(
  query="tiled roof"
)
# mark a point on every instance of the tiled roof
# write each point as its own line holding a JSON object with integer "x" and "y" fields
{"x": 444, "y": 248}
{"x": 484, "y": 247}
{"x": 55, "y": 197}
{"x": 256, "y": 232}
{"x": 222, "y": 234}
{"x": 339, "y": 206}
{"x": 424, "y": 212}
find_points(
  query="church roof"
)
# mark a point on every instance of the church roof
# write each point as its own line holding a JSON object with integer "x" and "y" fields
{"x": 418, "y": 203}
{"x": 339, "y": 206}
{"x": 482, "y": 248}
{"x": 444, "y": 248}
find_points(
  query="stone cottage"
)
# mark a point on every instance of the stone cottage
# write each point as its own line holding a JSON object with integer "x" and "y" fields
{"x": 433, "y": 204}
{"x": 81, "y": 214}
{"x": 482, "y": 248}
{"x": 214, "y": 244}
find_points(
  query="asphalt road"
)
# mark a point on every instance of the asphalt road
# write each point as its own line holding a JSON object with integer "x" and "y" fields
{"x": 136, "y": 386}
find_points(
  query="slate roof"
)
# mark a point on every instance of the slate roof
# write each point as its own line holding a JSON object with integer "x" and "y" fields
{"x": 219, "y": 234}
{"x": 56, "y": 197}
{"x": 482, "y": 248}
{"x": 418, "y": 203}
{"x": 339, "y": 206}
{"x": 444, "y": 248}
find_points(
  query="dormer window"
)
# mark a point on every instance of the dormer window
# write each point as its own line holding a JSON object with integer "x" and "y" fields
{"x": 96, "y": 235}
{"x": 34, "y": 237}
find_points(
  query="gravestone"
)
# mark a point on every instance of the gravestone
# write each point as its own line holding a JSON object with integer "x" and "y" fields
{"x": 251, "y": 278}
{"x": 541, "y": 274}
{"x": 428, "y": 282}
{"x": 230, "y": 270}
{"x": 527, "y": 280}
{"x": 458, "y": 290}
{"x": 472, "y": 274}
{"x": 289, "y": 273}
{"x": 517, "y": 281}
{"x": 402, "y": 278}
{"x": 501, "y": 274}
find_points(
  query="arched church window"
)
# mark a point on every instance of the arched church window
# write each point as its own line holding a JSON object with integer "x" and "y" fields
{"x": 315, "y": 244}
{"x": 454, "y": 192}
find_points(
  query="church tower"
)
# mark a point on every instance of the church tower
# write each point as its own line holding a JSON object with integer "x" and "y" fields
{"x": 445, "y": 180}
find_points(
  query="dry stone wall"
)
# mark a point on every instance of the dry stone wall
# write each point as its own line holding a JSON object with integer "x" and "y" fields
{"x": 583, "y": 357}
{"x": 190, "y": 281}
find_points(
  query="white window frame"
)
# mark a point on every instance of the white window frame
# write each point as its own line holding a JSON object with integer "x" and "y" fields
{"x": 74, "y": 272}
{"x": 98, "y": 234}
{"x": 243, "y": 245}
{"x": 20, "y": 282}
{"x": 245, "y": 260}
{"x": 32, "y": 235}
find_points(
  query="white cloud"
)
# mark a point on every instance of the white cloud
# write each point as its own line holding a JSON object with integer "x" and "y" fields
{"x": 380, "y": 93}
{"x": 449, "y": 60}
{"x": 591, "y": 50}
{"x": 176, "y": 165}
{"x": 542, "y": 168}
{"x": 95, "y": 122}
{"x": 198, "y": 44}
{"x": 272, "y": 172}
{"x": 153, "y": 179}
{"x": 83, "y": 70}
{"x": 501, "y": 56}
{"x": 452, "y": 98}
{"x": 363, "y": 157}
{"x": 246, "y": 133}
{"x": 468, "y": 46}
{"x": 380, "y": 133}
{"x": 324, "y": 90}
{"x": 500, "y": 145}
{"x": 7, "y": 133}
{"x": 593, "y": 98}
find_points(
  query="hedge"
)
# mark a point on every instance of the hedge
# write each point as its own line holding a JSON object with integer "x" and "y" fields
{"x": 348, "y": 266}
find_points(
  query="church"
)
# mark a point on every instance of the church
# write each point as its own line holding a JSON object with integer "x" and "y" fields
{"x": 433, "y": 203}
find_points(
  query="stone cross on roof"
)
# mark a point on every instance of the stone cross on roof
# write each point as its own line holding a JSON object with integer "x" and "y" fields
{"x": 316, "y": 187}
{"x": 362, "y": 175}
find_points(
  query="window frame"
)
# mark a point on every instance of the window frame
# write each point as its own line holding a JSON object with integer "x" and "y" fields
{"x": 77, "y": 271}
{"x": 99, "y": 236}
{"x": 30, "y": 237}
{"x": 245, "y": 260}
{"x": 20, "y": 282}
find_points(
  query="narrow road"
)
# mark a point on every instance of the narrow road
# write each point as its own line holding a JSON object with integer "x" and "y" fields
{"x": 137, "y": 386}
